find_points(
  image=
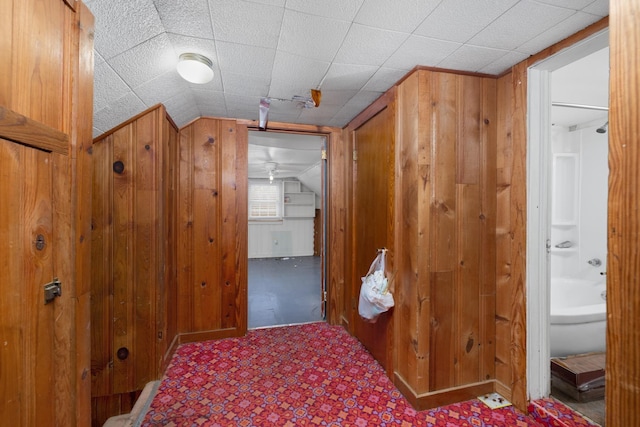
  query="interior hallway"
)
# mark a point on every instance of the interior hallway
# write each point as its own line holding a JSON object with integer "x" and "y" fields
{"x": 284, "y": 291}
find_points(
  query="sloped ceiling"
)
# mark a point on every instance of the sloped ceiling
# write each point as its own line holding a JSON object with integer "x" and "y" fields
{"x": 352, "y": 50}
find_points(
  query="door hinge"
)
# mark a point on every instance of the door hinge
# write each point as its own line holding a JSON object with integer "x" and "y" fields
{"x": 324, "y": 155}
{"x": 355, "y": 155}
{"x": 324, "y": 296}
{"x": 52, "y": 290}
{"x": 548, "y": 245}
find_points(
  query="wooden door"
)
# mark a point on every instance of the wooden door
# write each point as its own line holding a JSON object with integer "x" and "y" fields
{"x": 27, "y": 369}
{"x": 373, "y": 220}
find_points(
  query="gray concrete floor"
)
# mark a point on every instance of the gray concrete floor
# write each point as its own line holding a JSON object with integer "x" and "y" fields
{"x": 284, "y": 291}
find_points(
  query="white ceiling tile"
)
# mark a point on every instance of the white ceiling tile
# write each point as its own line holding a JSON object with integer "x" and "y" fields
{"x": 182, "y": 108}
{"x": 286, "y": 89}
{"x": 108, "y": 86}
{"x": 298, "y": 70}
{"x": 186, "y": 17}
{"x": 344, "y": 10}
{"x": 121, "y": 25}
{"x": 568, "y": 4}
{"x": 286, "y": 47}
{"x": 97, "y": 132}
{"x": 522, "y": 22}
{"x": 285, "y": 117}
{"x": 315, "y": 116}
{"x": 246, "y": 60}
{"x": 560, "y": 31}
{"x": 146, "y": 61}
{"x": 209, "y": 98}
{"x": 311, "y": 36}
{"x": 347, "y": 76}
{"x": 504, "y": 63}
{"x": 239, "y": 84}
{"x": 97, "y": 58}
{"x": 211, "y": 103}
{"x": 331, "y": 98}
{"x": 279, "y": 3}
{"x": 598, "y": 7}
{"x": 383, "y": 79}
{"x": 244, "y": 22}
{"x": 397, "y": 15}
{"x": 418, "y": 50}
{"x": 369, "y": 46}
{"x": 471, "y": 58}
{"x": 459, "y": 20}
{"x": 170, "y": 82}
{"x": 118, "y": 112}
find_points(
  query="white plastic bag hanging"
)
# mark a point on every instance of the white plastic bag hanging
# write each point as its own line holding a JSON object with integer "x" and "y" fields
{"x": 375, "y": 297}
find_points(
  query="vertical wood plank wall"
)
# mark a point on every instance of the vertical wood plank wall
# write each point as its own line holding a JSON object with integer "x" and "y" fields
{"x": 133, "y": 280}
{"x": 623, "y": 269}
{"x": 45, "y": 129}
{"x": 212, "y": 230}
{"x": 445, "y": 285}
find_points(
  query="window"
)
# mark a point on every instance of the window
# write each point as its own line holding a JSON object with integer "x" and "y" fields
{"x": 265, "y": 199}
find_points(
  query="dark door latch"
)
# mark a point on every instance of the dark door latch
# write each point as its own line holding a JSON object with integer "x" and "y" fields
{"x": 52, "y": 290}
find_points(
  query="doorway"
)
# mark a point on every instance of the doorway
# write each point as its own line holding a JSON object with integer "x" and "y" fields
{"x": 566, "y": 169}
{"x": 287, "y": 219}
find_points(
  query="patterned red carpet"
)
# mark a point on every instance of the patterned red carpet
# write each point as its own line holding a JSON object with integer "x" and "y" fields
{"x": 304, "y": 375}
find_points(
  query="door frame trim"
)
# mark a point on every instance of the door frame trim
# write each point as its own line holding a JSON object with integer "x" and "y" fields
{"x": 538, "y": 208}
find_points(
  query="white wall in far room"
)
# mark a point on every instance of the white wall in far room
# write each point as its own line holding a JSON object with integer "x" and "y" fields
{"x": 287, "y": 238}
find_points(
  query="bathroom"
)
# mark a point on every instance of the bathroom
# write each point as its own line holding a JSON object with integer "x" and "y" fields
{"x": 578, "y": 221}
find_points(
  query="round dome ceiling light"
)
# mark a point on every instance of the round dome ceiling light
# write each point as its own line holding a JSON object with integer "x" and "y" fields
{"x": 195, "y": 68}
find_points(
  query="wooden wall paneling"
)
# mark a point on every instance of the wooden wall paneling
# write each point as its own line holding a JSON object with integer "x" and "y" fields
{"x": 146, "y": 266}
{"x": 404, "y": 281}
{"x": 12, "y": 355}
{"x": 46, "y": 74}
{"x": 233, "y": 213}
{"x": 81, "y": 208}
{"x": 467, "y": 284}
{"x": 206, "y": 221}
{"x": 166, "y": 318}
{"x": 374, "y": 142}
{"x": 340, "y": 220}
{"x": 235, "y": 180}
{"x": 104, "y": 407}
{"x": 421, "y": 260}
{"x": 102, "y": 272}
{"x": 468, "y": 225}
{"x": 185, "y": 231}
{"x": 446, "y": 137}
{"x": 487, "y": 243}
{"x": 518, "y": 225}
{"x": 212, "y": 248}
{"x": 623, "y": 269}
{"x": 124, "y": 266}
{"x": 413, "y": 192}
{"x": 504, "y": 164}
{"x": 38, "y": 62}
{"x": 27, "y": 327}
{"x": 443, "y": 245}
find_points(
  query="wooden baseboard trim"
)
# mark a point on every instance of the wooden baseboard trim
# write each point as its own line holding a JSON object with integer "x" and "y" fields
{"x": 217, "y": 334}
{"x": 423, "y": 401}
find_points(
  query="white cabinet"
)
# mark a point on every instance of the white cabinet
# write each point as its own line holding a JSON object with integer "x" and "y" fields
{"x": 297, "y": 203}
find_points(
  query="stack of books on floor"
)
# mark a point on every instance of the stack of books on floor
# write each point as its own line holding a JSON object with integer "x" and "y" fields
{"x": 580, "y": 376}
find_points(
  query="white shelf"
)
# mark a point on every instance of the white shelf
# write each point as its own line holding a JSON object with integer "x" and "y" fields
{"x": 297, "y": 203}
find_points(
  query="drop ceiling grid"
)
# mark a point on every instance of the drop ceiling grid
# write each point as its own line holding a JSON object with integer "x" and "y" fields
{"x": 281, "y": 48}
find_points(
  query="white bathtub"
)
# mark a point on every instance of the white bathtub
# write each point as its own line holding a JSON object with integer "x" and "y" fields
{"x": 578, "y": 316}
